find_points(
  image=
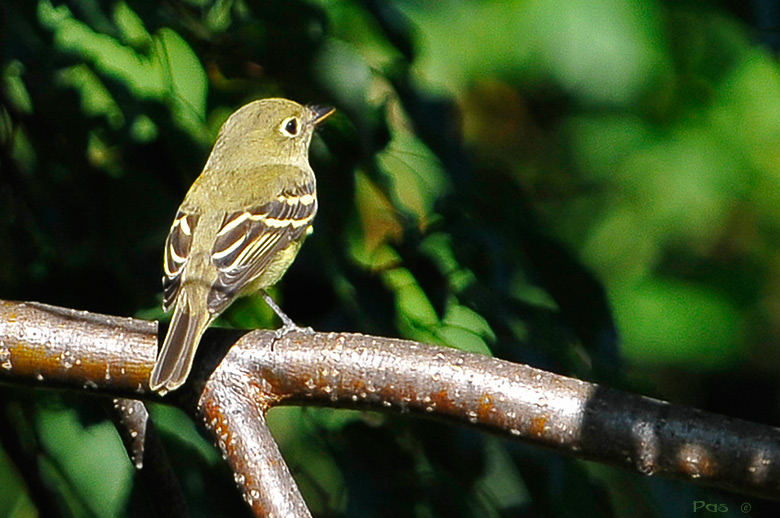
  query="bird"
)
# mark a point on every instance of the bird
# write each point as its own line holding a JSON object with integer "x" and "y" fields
{"x": 239, "y": 227}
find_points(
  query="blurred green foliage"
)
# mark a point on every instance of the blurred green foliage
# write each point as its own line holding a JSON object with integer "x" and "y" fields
{"x": 589, "y": 186}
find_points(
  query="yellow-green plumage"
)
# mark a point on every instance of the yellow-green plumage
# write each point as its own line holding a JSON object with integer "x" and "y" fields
{"x": 240, "y": 225}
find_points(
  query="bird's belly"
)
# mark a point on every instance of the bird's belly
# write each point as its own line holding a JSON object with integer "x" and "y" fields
{"x": 274, "y": 271}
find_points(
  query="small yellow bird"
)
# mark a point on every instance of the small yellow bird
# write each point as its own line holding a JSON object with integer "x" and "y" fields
{"x": 240, "y": 226}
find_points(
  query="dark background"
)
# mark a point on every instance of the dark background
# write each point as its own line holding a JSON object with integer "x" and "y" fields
{"x": 588, "y": 186}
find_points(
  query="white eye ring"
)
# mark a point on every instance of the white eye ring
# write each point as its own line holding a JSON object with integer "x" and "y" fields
{"x": 290, "y": 127}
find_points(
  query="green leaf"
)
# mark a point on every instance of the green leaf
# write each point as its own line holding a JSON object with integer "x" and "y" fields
{"x": 91, "y": 457}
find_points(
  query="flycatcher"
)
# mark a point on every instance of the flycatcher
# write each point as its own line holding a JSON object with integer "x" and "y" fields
{"x": 240, "y": 225}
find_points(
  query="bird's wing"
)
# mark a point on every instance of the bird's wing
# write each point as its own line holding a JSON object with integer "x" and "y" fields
{"x": 177, "y": 251}
{"x": 249, "y": 239}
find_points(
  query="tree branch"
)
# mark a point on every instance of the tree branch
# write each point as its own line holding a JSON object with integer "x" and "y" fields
{"x": 234, "y": 410}
{"x": 234, "y": 390}
{"x": 60, "y": 347}
{"x": 147, "y": 454}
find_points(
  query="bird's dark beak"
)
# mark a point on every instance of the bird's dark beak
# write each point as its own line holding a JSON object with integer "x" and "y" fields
{"x": 321, "y": 112}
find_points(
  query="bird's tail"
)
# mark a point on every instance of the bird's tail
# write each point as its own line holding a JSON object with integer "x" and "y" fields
{"x": 178, "y": 351}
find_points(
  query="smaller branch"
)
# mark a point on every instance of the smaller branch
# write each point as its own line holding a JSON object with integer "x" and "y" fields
{"x": 233, "y": 410}
{"x": 146, "y": 451}
{"x": 131, "y": 419}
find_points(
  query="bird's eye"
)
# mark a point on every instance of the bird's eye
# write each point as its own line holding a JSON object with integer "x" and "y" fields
{"x": 290, "y": 127}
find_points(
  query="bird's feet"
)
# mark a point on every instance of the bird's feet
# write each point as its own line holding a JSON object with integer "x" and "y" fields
{"x": 290, "y": 327}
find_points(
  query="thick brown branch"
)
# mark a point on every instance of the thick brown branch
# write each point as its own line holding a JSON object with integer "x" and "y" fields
{"x": 570, "y": 416}
{"x": 347, "y": 370}
{"x": 54, "y": 346}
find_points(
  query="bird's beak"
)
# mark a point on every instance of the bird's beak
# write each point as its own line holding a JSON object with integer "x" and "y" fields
{"x": 320, "y": 112}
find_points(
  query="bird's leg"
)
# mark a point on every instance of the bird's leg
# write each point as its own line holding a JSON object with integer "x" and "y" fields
{"x": 287, "y": 324}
